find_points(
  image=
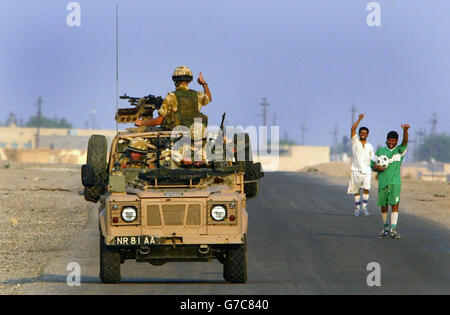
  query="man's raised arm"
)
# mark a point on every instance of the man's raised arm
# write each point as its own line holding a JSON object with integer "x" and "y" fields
{"x": 405, "y": 134}
{"x": 355, "y": 125}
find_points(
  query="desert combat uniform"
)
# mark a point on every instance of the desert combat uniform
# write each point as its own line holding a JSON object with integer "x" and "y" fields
{"x": 126, "y": 162}
{"x": 138, "y": 145}
{"x": 191, "y": 103}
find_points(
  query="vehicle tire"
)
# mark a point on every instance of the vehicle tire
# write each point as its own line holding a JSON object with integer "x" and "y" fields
{"x": 235, "y": 264}
{"x": 109, "y": 262}
{"x": 96, "y": 156}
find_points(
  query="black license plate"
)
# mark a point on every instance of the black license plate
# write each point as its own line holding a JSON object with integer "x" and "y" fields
{"x": 137, "y": 240}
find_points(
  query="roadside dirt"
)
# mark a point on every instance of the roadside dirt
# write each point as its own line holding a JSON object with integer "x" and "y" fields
{"x": 41, "y": 210}
{"x": 430, "y": 200}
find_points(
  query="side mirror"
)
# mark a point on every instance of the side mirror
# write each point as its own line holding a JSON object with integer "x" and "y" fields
{"x": 87, "y": 175}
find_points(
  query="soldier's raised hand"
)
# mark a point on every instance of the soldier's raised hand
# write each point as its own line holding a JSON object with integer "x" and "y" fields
{"x": 200, "y": 79}
{"x": 405, "y": 127}
{"x": 361, "y": 116}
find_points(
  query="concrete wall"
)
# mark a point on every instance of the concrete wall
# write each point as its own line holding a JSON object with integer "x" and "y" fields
{"x": 44, "y": 156}
{"x": 25, "y": 138}
{"x": 427, "y": 171}
{"x": 294, "y": 158}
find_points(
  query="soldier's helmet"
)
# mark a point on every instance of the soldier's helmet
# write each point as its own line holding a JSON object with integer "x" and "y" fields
{"x": 138, "y": 145}
{"x": 182, "y": 73}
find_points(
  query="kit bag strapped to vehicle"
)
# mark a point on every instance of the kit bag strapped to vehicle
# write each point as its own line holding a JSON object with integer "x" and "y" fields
{"x": 96, "y": 157}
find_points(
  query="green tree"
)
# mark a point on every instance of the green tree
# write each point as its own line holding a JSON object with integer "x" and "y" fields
{"x": 49, "y": 122}
{"x": 436, "y": 147}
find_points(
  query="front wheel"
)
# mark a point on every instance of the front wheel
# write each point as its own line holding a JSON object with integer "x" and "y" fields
{"x": 109, "y": 262}
{"x": 235, "y": 264}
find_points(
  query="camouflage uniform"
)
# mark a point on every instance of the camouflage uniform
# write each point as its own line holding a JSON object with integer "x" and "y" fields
{"x": 170, "y": 103}
{"x": 138, "y": 145}
{"x": 126, "y": 162}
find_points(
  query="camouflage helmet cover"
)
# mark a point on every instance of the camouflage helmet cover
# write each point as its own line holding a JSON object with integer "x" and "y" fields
{"x": 182, "y": 73}
{"x": 138, "y": 145}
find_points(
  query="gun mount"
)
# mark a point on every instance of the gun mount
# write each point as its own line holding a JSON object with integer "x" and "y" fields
{"x": 143, "y": 107}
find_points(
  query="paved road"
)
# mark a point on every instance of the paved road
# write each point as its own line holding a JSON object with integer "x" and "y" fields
{"x": 302, "y": 239}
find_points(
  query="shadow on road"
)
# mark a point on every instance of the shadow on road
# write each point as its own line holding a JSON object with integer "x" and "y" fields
{"x": 52, "y": 278}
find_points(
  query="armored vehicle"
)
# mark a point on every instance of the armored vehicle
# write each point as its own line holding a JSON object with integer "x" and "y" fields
{"x": 162, "y": 210}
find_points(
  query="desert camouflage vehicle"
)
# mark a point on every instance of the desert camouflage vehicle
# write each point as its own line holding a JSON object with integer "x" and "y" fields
{"x": 167, "y": 212}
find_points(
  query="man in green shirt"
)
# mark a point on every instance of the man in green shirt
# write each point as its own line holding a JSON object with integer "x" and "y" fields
{"x": 389, "y": 180}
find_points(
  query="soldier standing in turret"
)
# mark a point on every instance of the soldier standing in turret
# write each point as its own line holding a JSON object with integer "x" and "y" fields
{"x": 183, "y": 105}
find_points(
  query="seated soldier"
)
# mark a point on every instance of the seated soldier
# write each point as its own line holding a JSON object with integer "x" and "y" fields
{"x": 136, "y": 155}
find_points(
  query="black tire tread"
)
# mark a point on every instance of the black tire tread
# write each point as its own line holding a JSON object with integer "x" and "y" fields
{"x": 235, "y": 265}
{"x": 109, "y": 263}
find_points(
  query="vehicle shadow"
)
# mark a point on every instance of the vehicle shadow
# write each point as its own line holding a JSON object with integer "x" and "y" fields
{"x": 52, "y": 278}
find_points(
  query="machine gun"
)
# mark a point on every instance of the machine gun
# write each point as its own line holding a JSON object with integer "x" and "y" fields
{"x": 143, "y": 107}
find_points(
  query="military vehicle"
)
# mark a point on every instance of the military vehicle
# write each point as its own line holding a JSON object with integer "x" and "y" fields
{"x": 168, "y": 212}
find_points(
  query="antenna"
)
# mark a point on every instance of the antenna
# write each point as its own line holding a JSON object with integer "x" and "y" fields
{"x": 117, "y": 64}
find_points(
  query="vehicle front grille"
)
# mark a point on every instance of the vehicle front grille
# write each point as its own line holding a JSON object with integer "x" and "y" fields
{"x": 174, "y": 214}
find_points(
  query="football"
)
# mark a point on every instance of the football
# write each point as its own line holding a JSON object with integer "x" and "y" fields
{"x": 383, "y": 161}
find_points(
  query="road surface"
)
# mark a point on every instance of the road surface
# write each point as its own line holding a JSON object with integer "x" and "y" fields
{"x": 302, "y": 239}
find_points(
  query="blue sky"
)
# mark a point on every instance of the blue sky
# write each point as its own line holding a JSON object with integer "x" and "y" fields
{"x": 311, "y": 59}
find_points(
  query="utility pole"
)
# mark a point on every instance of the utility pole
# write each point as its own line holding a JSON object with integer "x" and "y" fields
{"x": 264, "y": 105}
{"x": 335, "y": 136}
{"x": 418, "y": 141}
{"x": 303, "y": 131}
{"x": 433, "y": 122}
{"x": 353, "y": 110}
{"x": 93, "y": 119}
{"x": 39, "y": 115}
{"x": 274, "y": 119}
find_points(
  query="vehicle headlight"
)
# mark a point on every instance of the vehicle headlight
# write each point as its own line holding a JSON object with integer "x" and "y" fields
{"x": 129, "y": 214}
{"x": 218, "y": 213}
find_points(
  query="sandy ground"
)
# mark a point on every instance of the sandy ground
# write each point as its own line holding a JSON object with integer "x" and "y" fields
{"x": 430, "y": 200}
{"x": 41, "y": 209}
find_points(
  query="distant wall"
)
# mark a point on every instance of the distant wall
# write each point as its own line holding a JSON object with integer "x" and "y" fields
{"x": 427, "y": 171}
{"x": 295, "y": 157}
{"x": 25, "y": 138}
{"x": 44, "y": 156}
